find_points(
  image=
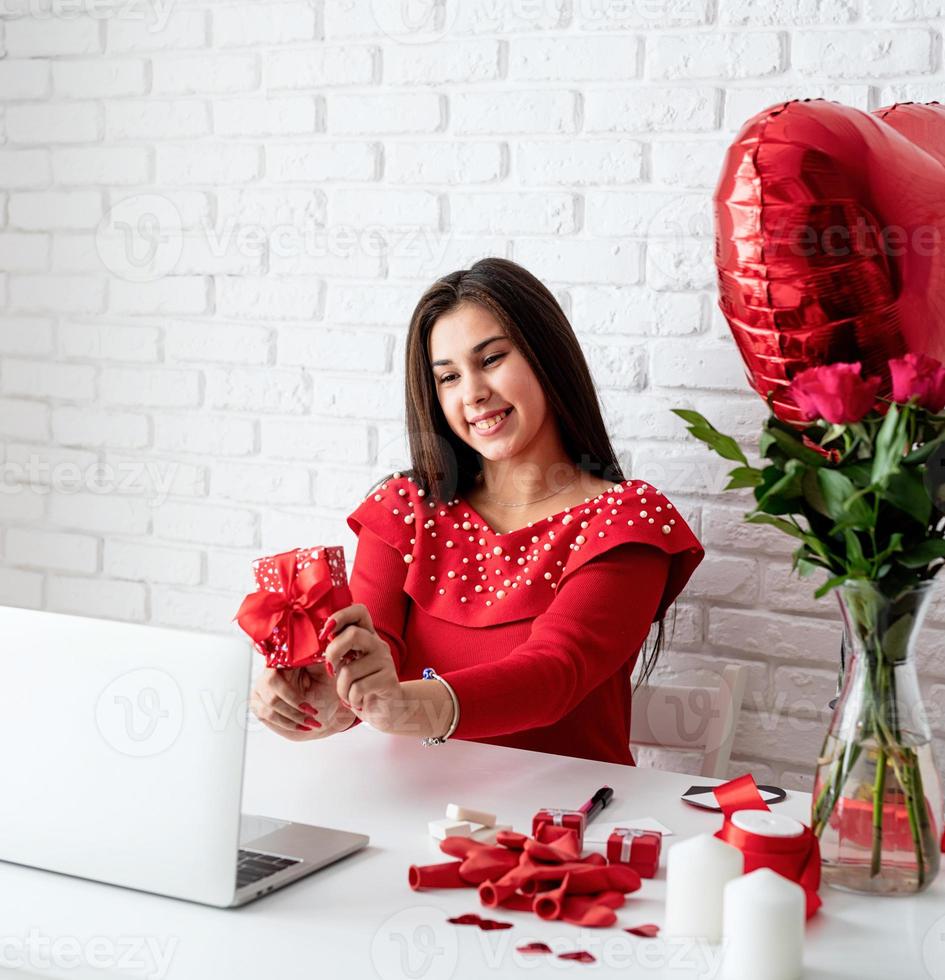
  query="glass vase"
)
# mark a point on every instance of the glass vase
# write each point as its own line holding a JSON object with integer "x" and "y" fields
{"x": 877, "y": 801}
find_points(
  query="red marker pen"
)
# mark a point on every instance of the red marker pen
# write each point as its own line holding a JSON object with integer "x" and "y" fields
{"x": 596, "y": 803}
{"x": 575, "y": 819}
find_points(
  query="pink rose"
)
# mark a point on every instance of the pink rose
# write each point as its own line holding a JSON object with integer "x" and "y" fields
{"x": 834, "y": 392}
{"x": 921, "y": 375}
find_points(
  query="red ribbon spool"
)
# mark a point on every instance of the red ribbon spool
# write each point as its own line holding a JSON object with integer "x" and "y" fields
{"x": 796, "y": 858}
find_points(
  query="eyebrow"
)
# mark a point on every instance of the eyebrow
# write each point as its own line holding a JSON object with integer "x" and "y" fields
{"x": 476, "y": 349}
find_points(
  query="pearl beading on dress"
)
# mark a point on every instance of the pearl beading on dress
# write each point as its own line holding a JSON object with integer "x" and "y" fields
{"x": 618, "y": 497}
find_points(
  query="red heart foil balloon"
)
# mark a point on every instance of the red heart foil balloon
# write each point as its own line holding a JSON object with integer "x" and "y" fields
{"x": 830, "y": 240}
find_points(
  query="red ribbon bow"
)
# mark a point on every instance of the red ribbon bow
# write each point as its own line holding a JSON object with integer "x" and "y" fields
{"x": 796, "y": 858}
{"x": 298, "y": 608}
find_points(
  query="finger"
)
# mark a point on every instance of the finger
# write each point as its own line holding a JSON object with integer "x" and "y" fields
{"x": 356, "y": 673}
{"x": 293, "y": 736}
{"x": 269, "y": 716}
{"x": 274, "y": 705}
{"x": 278, "y": 715}
{"x": 353, "y": 638}
{"x": 363, "y": 688}
{"x": 353, "y": 615}
{"x": 280, "y": 692}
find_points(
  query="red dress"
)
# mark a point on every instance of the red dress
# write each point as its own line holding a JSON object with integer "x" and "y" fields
{"x": 538, "y": 629}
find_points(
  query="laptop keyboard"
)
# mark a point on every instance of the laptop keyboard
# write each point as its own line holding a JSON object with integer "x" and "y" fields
{"x": 252, "y": 866}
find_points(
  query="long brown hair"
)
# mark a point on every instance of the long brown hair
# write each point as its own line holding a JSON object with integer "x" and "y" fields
{"x": 443, "y": 464}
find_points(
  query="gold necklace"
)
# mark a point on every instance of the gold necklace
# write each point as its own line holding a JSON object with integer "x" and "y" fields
{"x": 528, "y": 503}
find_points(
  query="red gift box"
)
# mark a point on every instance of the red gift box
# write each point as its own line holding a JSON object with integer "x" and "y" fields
{"x": 640, "y": 849}
{"x": 574, "y": 819}
{"x": 852, "y": 820}
{"x": 298, "y": 591}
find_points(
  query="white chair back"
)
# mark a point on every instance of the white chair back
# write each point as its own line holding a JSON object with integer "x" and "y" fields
{"x": 691, "y": 718}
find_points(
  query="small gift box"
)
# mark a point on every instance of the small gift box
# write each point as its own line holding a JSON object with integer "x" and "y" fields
{"x": 298, "y": 591}
{"x": 574, "y": 819}
{"x": 640, "y": 849}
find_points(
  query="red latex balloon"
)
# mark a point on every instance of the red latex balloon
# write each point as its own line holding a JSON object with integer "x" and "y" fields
{"x": 830, "y": 240}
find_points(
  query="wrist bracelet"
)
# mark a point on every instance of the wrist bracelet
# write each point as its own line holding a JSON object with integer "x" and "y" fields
{"x": 429, "y": 674}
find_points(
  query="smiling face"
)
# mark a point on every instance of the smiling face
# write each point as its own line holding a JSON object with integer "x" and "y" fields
{"x": 485, "y": 373}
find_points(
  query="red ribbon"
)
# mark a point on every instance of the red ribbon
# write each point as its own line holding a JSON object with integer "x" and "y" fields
{"x": 298, "y": 608}
{"x": 796, "y": 858}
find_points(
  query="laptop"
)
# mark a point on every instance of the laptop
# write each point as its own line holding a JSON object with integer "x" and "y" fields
{"x": 122, "y": 762}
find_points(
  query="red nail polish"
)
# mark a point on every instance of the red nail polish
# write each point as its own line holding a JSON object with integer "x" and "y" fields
{"x": 311, "y": 720}
{"x": 317, "y": 724}
{"x": 330, "y": 624}
{"x": 329, "y": 668}
{"x": 303, "y": 728}
{"x": 306, "y": 707}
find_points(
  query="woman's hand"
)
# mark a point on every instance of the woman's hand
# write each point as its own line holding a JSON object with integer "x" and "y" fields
{"x": 299, "y": 704}
{"x": 363, "y": 668}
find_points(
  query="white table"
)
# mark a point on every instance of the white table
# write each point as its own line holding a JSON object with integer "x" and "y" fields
{"x": 359, "y": 917}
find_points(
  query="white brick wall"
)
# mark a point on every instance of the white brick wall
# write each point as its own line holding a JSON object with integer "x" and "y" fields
{"x": 178, "y": 398}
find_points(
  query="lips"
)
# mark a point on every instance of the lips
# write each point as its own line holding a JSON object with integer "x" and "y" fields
{"x": 493, "y": 428}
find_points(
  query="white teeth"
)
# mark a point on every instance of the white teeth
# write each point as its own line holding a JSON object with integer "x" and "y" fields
{"x": 491, "y": 422}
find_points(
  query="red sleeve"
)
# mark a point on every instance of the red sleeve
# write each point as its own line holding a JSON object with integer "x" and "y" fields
{"x": 377, "y": 581}
{"x": 598, "y": 620}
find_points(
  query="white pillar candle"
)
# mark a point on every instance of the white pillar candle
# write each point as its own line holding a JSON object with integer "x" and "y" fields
{"x": 764, "y": 927}
{"x": 767, "y": 823}
{"x": 697, "y": 870}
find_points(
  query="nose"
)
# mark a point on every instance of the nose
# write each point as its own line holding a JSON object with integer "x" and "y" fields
{"x": 475, "y": 392}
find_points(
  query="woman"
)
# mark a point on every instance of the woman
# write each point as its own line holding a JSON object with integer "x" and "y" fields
{"x": 513, "y": 559}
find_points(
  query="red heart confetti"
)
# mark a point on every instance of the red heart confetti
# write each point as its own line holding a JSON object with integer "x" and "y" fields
{"x": 473, "y": 919}
{"x": 469, "y": 919}
{"x": 494, "y": 924}
{"x": 533, "y": 948}
{"x": 580, "y": 956}
{"x": 649, "y": 930}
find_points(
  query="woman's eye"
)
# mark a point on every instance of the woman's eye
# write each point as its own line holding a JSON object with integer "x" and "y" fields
{"x": 492, "y": 357}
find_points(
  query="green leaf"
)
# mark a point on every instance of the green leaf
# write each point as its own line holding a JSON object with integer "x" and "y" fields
{"x": 906, "y": 491}
{"x": 843, "y": 503}
{"x": 855, "y": 554}
{"x": 779, "y": 496}
{"x": 895, "y": 544}
{"x": 692, "y": 417}
{"x": 831, "y": 583}
{"x": 819, "y": 548}
{"x": 757, "y": 517}
{"x": 744, "y": 476}
{"x": 806, "y": 568}
{"x": 859, "y": 473}
{"x": 795, "y": 449}
{"x": 701, "y": 428}
{"x": 813, "y": 493}
{"x": 922, "y": 453}
{"x": 889, "y": 446}
{"x": 922, "y": 554}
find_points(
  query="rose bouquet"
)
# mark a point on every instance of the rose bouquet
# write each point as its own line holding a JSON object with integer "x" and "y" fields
{"x": 861, "y": 488}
